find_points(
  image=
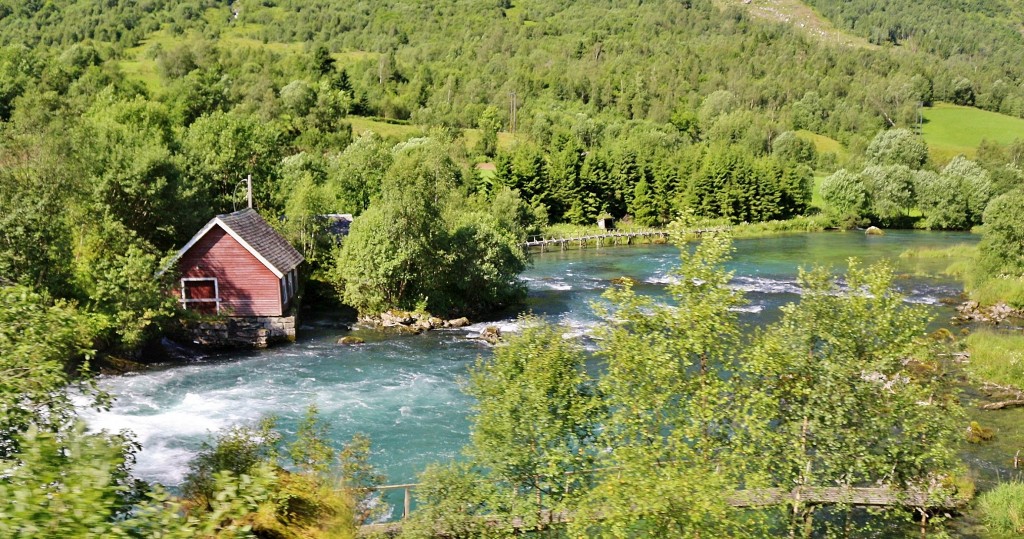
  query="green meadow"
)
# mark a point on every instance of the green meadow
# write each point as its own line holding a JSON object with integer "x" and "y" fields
{"x": 822, "y": 143}
{"x": 951, "y": 130}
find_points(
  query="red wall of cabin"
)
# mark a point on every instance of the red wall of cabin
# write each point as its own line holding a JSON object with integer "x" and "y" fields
{"x": 247, "y": 287}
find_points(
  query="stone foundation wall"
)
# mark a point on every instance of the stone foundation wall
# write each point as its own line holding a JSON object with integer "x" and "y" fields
{"x": 244, "y": 332}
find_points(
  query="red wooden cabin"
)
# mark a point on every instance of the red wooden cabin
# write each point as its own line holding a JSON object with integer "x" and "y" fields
{"x": 237, "y": 265}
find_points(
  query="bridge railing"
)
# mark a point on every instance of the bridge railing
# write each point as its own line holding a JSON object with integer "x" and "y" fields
{"x": 921, "y": 500}
{"x": 879, "y": 496}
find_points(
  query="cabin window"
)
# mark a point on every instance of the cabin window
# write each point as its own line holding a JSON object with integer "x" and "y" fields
{"x": 200, "y": 294}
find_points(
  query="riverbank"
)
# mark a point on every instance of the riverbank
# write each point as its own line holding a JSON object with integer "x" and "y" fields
{"x": 993, "y": 314}
{"x": 993, "y": 360}
{"x": 568, "y": 237}
{"x": 960, "y": 261}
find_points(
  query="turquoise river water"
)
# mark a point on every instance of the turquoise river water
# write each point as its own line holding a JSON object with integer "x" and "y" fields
{"x": 403, "y": 391}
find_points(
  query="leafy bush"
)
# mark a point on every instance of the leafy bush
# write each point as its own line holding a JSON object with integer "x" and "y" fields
{"x": 318, "y": 499}
{"x": 238, "y": 449}
{"x": 1002, "y": 247}
{"x": 44, "y": 345}
{"x": 61, "y": 486}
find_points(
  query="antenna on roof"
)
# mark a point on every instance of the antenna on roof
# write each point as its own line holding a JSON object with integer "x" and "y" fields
{"x": 248, "y": 190}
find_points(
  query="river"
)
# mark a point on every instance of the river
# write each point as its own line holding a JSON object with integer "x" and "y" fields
{"x": 403, "y": 391}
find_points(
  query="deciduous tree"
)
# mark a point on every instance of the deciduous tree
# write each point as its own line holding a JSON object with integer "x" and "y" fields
{"x": 845, "y": 404}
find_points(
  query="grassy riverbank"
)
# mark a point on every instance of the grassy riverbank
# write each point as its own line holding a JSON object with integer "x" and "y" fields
{"x": 960, "y": 261}
{"x": 997, "y": 357}
{"x": 1002, "y": 510}
{"x": 814, "y": 223}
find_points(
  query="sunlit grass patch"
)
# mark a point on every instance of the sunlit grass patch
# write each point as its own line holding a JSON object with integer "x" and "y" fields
{"x": 387, "y": 130}
{"x": 505, "y": 140}
{"x": 951, "y": 130}
{"x": 957, "y": 260}
{"x": 810, "y": 223}
{"x": 997, "y": 357}
{"x": 822, "y": 143}
{"x": 1002, "y": 510}
{"x": 999, "y": 289}
{"x": 143, "y": 71}
{"x": 960, "y": 261}
{"x": 816, "y": 200}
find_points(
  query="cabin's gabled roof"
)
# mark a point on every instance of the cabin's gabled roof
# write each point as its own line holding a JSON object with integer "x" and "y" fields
{"x": 253, "y": 233}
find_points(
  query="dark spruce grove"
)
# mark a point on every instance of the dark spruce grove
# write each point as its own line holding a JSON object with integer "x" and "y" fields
{"x": 451, "y": 132}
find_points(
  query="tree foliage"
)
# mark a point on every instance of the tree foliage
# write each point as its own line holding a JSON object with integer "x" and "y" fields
{"x": 844, "y": 193}
{"x": 891, "y": 191}
{"x": 669, "y": 411}
{"x": 820, "y": 371}
{"x": 422, "y": 243}
{"x": 956, "y": 197}
{"x": 1002, "y": 246}
{"x": 534, "y": 394}
{"x": 897, "y": 147}
{"x": 685, "y": 414}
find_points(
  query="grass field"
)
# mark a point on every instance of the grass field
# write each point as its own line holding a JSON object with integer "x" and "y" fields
{"x": 384, "y": 129}
{"x": 823, "y": 144}
{"x": 140, "y": 65}
{"x": 362, "y": 124}
{"x": 950, "y": 130}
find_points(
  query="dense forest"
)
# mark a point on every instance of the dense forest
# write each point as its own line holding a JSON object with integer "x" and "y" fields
{"x": 125, "y": 125}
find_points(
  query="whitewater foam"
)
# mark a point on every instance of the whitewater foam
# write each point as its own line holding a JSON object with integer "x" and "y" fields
{"x": 764, "y": 285}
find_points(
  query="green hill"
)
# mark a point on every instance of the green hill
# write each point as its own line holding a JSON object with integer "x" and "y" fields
{"x": 951, "y": 130}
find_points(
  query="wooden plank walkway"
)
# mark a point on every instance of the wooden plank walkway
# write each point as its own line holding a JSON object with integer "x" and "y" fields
{"x": 616, "y": 236}
{"x": 856, "y": 496}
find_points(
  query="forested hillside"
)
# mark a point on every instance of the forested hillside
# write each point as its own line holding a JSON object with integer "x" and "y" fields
{"x": 126, "y": 125}
{"x": 132, "y": 122}
{"x": 447, "y": 61}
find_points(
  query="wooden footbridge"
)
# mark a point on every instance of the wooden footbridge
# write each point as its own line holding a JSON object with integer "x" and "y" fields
{"x": 922, "y": 502}
{"x": 609, "y": 237}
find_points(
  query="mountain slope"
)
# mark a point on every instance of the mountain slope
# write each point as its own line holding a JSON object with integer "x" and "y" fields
{"x": 801, "y": 16}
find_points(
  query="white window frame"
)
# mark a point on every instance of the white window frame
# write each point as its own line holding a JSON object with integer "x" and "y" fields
{"x": 216, "y": 292}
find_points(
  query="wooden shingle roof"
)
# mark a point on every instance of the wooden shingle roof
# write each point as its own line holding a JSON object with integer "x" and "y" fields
{"x": 261, "y": 237}
{"x": 252, "y": 232}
